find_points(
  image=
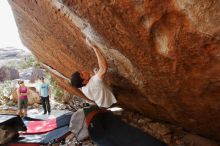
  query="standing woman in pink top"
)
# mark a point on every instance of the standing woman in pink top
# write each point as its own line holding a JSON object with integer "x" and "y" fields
{"x": 22, "y": 93}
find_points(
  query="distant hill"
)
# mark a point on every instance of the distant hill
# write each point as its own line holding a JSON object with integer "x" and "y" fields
{"x": 9, "y": 54}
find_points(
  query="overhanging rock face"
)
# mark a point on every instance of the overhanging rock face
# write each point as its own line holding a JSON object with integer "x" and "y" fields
{"x": 164, "y": 55}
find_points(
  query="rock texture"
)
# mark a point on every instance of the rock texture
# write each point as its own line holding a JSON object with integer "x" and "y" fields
{"x": 7, "y": 73}
{"x": 164, "y": 56}
{"x": 36, "y": 74}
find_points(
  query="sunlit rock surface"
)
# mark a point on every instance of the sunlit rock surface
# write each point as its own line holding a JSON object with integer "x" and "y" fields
{"x": 164, "y": 55}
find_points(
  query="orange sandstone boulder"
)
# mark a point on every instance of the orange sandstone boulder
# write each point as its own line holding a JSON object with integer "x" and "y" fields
{"x": 163, "y": 55}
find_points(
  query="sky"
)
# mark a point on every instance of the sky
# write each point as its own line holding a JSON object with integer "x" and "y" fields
{"x": 9, "y": 36}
